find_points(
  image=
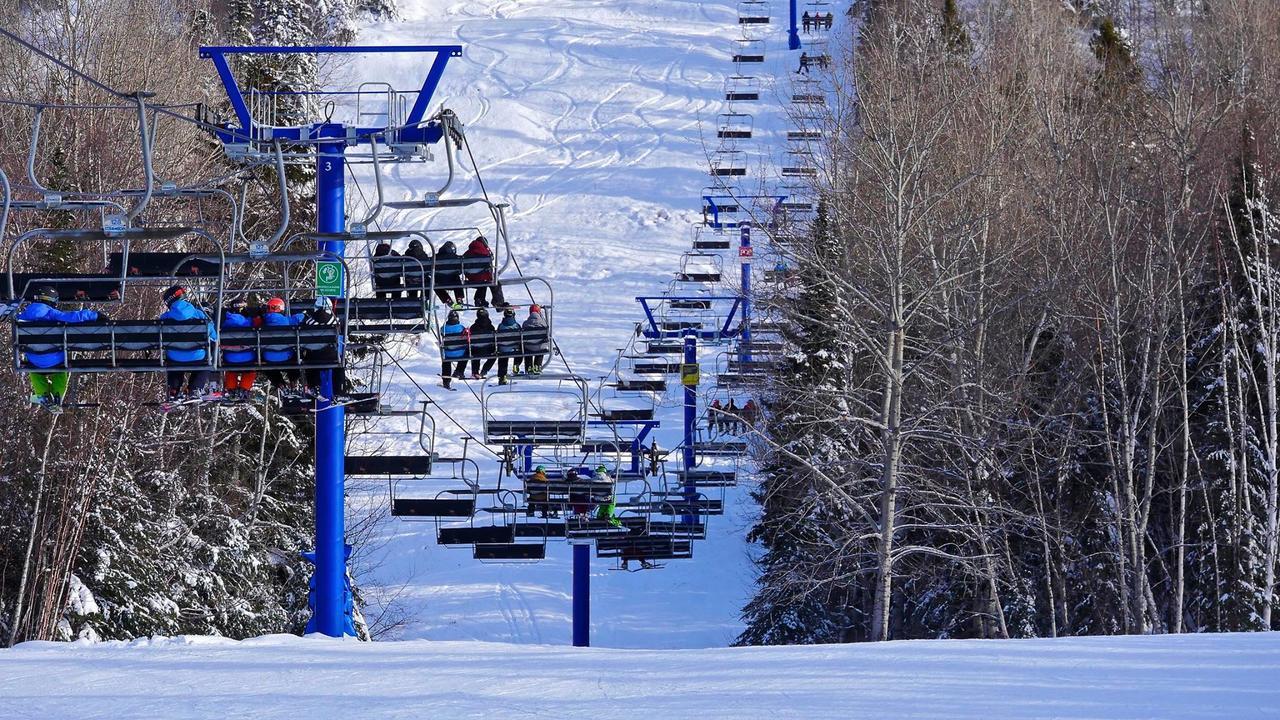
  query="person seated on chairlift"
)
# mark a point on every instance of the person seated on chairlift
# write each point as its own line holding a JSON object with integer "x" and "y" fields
{"x": 386, "y": 287}
{"x": 579, "y": 502}
{"x": 195, "y": 382}
{"x": 50, "y": 388}
{"x": 806, "y": 20}
{"x": 319, "y": 315}
{"x": 750, "y": 413}
{"x": 415, "y": 279}
{"x": 508, "y": 346}
{"x": 535, "y": 350}
{"x": 238, "y": 384}
{"x": 714, "y": 416}
{"x": 730, "y": 418}
{"x": 453, "y": 360}
{"x": 483, "y": 279}
{"x": 539, "y": 476}
{"x": 448, "y": 274}
{"x": 282, "y": 381}
{"x": 482, "y": 344}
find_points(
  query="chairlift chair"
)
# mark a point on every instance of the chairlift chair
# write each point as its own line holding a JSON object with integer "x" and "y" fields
{"x": 753, "y": 12}
{"x": 698, "y": 267}
{"x": 729, "y": 163}
{"x": 748, "y": 51}
{"x": 500, "y": 344}
{"x": 525, "y": 412}
{"x": 742, "y": 88}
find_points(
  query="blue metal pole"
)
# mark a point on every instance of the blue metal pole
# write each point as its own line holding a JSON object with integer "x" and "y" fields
{"x": 793, "y": 35}
{"x": 582, "y": 596}
{"x": 690, "y": 418}
{"x": 331, "y": 612}
{"x": 745, "y": 253}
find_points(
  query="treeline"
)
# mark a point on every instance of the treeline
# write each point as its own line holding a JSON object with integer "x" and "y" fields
{"x": 117, "y": 521}
{"x": 1032, "y": 386}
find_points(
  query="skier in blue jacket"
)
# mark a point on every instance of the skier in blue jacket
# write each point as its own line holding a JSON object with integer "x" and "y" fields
{"x": 275, "y": 316}
{"x": 509, "y": 343}
{"x": 450, "y": 369}
{"x": 195, "y": 381}
{"x": 50, "y": 388}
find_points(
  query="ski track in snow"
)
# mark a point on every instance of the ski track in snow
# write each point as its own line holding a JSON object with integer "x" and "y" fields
{"x": 589, "y": 118}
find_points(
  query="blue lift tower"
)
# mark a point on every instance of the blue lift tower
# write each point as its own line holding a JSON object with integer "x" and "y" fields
{"x": 331, "y": 598}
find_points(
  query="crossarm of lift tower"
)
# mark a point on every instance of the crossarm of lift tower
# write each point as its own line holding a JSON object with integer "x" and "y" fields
{"x": 412, "y": 130}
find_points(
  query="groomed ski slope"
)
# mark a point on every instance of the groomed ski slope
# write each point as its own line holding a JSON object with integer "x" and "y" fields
{"x": 589, "y": 118}
{"x": 1178, "y": 677}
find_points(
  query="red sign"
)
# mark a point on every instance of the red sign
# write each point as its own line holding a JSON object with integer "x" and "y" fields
{"x": 744, "y": 252}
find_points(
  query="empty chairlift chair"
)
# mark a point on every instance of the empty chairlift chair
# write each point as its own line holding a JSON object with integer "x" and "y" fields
{"x": 700, "y": 268}
{"x": 729, "y": 163}
{"x": 733, "y": 126}
{"x": 753, "y": 12}
{"x": 742, "y": 88}
{"x": 549, "y": 409}
{"x": 747, "y": 52}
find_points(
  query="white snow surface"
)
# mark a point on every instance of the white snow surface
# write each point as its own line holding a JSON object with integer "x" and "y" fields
{"x": 589, "y": 118}
{"x": 1168, "y": 677}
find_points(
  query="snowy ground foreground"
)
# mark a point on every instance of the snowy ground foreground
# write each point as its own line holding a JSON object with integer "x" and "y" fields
{"x": 1167, "y": 677}
{"x": 589, "y": 118}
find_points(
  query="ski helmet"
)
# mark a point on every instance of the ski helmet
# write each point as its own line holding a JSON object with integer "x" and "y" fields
{"x": 47, "y": 294}
{"x": 275, "y": 305}
{"x": 174, "y": 293}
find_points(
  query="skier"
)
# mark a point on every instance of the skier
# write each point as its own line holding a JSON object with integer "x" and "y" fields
{"x": 238, "y": 384}
{"x": 804, "y": 63}
{"x": 285, "y": 381}
{"x": 322, "y": 314}
{"x": 387, "y": 283}
{"x": 448, "y": 274}
{"x": 483, "y": 278}
{"x": 49, "y": 389}
{"x": 730, "y": 418}
{"x": 579, "y": 502}
{"x": 535, "y": 349}
{"x": 751, "y": 412}
{"x": 454, "y": 363}
{"x": 537, "y": 496}
{"x": 482, "y": 344}
{"x": 195, "y": 381}
{"x": 415, "y": 276}
{"x": 508, "y": 343}
{"x": 830, "y": 18}
{"x": 806, "y": 20}
{"x": 714, "y": 417}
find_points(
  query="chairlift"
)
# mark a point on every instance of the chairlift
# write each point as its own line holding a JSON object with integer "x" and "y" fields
{"x": 746, "y": 51}
{"x": 729, "y": 163}
{"x": 502, "y": 344}
{"x": 548, "y": 409}
{"x": 709, "y": 238}
{"x": 753, "y": 12}
{"x": 742, "y": 88}
{"x": 696, "y": 267}
{"x": 733, "y": 126}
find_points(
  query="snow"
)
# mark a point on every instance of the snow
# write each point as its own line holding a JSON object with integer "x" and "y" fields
{"x": 195, "y": 678}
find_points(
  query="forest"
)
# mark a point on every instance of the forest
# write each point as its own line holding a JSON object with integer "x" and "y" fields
{"x": 1033, "y": 384}
{"x": 118, "y": 521}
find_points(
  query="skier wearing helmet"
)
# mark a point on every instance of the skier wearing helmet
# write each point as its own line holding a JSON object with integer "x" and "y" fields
{"x": 453, "y": 360}
{"x": 284, "y": 380}
{"x": 49, "y": 388}
{"x": 534, "y": 326}
{"x": 195, "y": 381}
{"x": 509, "y": 341}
